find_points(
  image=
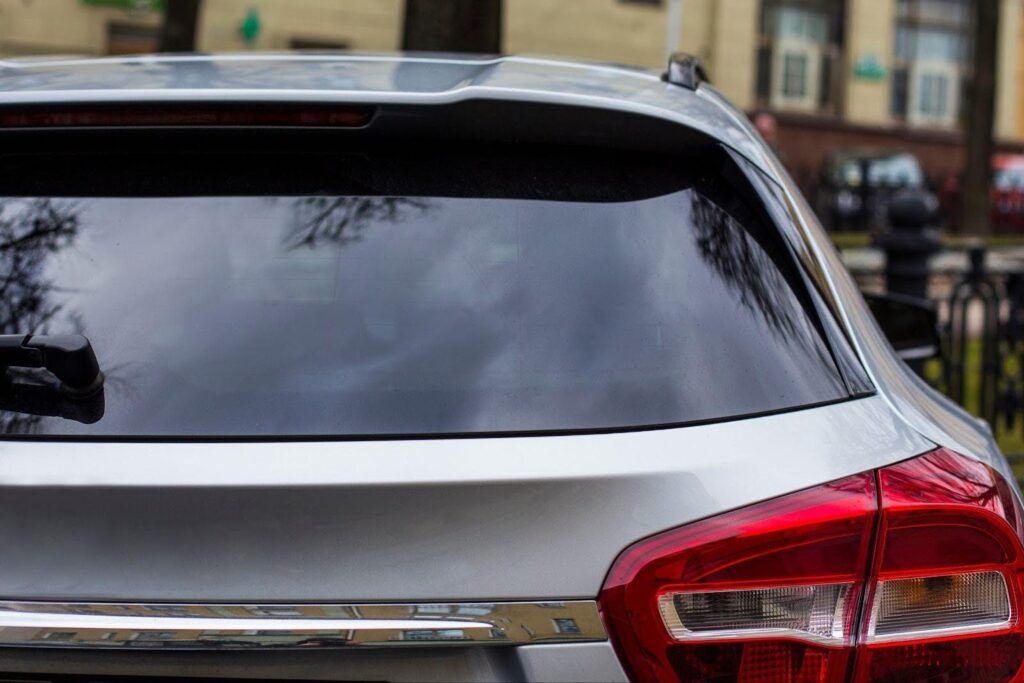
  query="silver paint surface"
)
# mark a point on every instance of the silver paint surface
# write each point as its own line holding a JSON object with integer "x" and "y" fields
{"x": 417, "y": 521}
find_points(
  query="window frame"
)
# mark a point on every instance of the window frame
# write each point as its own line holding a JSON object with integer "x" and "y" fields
{"x": 824, "y": 73}
{"x": 906, "y": 89}
{"x": 773, "y": 196}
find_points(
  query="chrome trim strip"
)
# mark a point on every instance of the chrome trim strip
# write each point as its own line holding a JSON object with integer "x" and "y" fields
{"x": 221, "y": 626}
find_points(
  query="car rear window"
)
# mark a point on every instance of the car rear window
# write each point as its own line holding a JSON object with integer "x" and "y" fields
{"x": 374, "y": 294}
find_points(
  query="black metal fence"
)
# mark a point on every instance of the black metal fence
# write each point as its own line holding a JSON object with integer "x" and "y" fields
{"x": 979, "y": 295}
{"x": 981, "y": 312}
{"x": 977, "y": 339}
{"x": 982, "y": 363}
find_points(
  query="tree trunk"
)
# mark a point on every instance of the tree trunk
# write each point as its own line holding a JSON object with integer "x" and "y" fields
{"x": 981, "y": 92}
{"x": 178, "y": 33}
{"x": 452, "y": 26}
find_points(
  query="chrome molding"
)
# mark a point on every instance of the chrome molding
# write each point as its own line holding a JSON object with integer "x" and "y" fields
{"x": 210, "y": 626}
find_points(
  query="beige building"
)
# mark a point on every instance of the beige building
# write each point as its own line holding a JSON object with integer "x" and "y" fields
{"x": 892, "y": 64}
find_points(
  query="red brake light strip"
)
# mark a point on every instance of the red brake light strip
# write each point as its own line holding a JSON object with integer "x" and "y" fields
{"x": 185, "y": 115}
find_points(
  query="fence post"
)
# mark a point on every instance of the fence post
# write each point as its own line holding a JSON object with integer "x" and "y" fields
{"x": 975, "y": 290}
{"x": 907, "y": 247}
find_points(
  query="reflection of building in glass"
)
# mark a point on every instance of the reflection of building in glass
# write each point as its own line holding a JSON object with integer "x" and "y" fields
{"x": 437, "y": 634}
{"x": 60, "y": 636}
{"x": 566, "y": 625}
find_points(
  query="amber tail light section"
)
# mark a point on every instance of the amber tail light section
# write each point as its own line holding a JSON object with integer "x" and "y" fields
{"x": 948, "y": 575}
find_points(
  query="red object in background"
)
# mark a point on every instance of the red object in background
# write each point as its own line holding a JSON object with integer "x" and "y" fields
{"x": 1007, "y": 194}
{"x": 914, "y": 572}
{"x": 950, "y": 201}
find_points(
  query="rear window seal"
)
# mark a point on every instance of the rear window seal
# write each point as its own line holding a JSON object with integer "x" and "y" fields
{"x": 343, "y": 438}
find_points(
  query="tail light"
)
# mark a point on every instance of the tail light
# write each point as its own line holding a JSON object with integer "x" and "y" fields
{"x": 947, "y": 581}
{"x": 913, "y": 572}
{"x": 765, "y": 593}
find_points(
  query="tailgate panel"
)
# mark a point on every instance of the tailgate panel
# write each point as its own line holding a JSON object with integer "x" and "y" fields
{"x": 401, "y": 521}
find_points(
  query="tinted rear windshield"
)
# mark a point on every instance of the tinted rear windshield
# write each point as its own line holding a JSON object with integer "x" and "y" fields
{"x": 491, "y": 291}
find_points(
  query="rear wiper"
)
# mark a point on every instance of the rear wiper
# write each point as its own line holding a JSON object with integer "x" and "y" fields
{"x": 68, "y": 357}
{"x": 47, "y": 401}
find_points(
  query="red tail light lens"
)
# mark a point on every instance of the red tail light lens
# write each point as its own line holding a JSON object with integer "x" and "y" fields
{"x": 769, "y": 592}
{"x": 914, "y": 572}
{"x": 948, "y": 577}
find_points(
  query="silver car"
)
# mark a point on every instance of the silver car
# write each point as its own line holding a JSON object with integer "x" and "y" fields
{"x": 406, "y": 368}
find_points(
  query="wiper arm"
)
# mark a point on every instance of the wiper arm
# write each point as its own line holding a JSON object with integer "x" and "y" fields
{"x": 69, "y": 357}
{"x": 37, "y": 399}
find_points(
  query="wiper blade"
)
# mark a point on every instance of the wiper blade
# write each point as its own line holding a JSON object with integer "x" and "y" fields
{"x": 48, "y": 401}
{"x": 69, "y": 357}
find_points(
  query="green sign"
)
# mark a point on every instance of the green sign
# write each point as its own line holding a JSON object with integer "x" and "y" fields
{"x": 128, "y": 4}
{"x": 869, "y": 68}
{"x": 251, "y": 26}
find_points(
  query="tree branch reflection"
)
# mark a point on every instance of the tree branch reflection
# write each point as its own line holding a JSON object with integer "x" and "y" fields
{"x": 743, "y": 264}
{"x": 341, "y": 220}
{"x": 31, "y": 231}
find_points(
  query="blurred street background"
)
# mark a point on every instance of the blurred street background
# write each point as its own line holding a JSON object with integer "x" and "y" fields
{"x": 862, "y": 100}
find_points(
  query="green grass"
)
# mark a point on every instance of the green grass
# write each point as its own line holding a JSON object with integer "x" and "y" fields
{"x": 1011, "y": 441}
{"x": 851, "y": 240}
{"x": 1015, "y": 240}
{"x": 859, "y": 240}
{"x": 1017, "y": 463}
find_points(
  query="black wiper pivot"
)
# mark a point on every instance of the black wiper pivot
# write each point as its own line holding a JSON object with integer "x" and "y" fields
{"x": 69, "y": 357}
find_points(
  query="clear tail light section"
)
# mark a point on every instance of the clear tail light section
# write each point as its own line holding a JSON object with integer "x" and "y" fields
{"x": 913, "y": 572}
{"x": 812, "y": 613}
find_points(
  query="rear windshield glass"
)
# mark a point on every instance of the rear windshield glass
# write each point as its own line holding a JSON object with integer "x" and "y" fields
{"x": 451, "y": 297}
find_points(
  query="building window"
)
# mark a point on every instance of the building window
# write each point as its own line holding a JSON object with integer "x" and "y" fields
{"x": 931, "y": 61}
{"x": 794, "y": 76}
{"x": 934, "y": 96}
{"x": 799, "y": 49}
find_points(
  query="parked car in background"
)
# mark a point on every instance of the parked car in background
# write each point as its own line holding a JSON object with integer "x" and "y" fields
{"x": 856, "y": 187}
{"x": 410, "y": 368}
{"x": 1008, "y": 193}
